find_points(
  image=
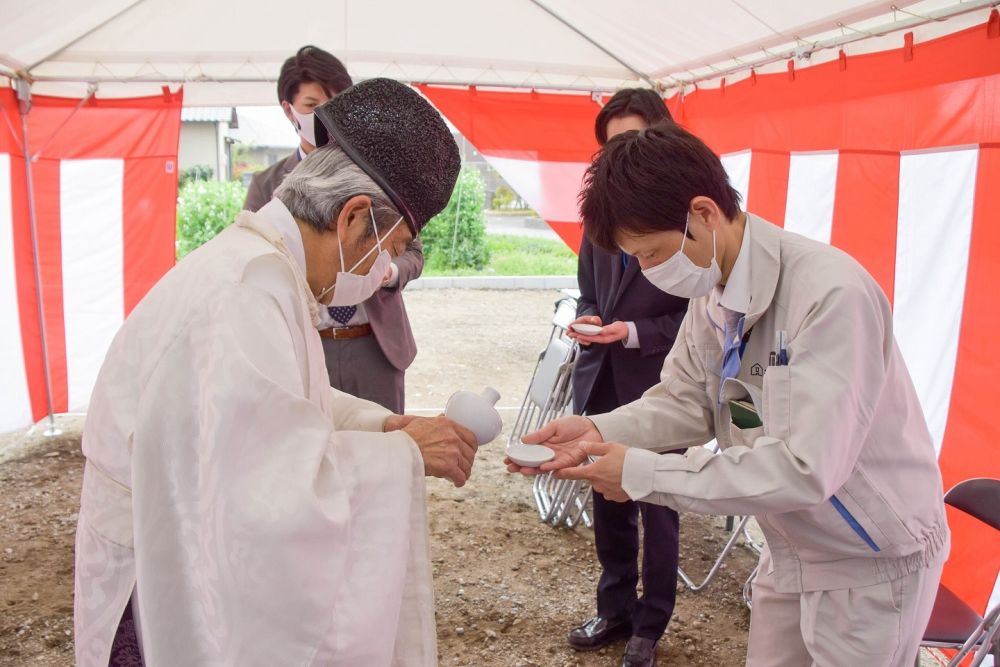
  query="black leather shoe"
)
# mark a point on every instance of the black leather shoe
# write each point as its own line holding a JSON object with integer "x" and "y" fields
{"x": 598, "y": 632}
{"x": 640, "y": 652}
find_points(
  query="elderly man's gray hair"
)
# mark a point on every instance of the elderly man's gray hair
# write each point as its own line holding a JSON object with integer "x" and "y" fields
{"x": 318, "y": 187}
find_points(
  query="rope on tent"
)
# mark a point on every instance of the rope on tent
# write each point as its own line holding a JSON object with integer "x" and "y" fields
{"x": 91, "y": 89}
{"x": 458, "y": 207}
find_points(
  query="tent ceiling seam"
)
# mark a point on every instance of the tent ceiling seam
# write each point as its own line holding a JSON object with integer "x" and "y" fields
{"x": 593, "y": 42}
{"x": 86, "y": 34}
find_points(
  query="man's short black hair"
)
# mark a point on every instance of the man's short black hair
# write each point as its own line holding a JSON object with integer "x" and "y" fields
{"x": 642, "y": 102}
{"x": 312, "y": 64}
{"x": 644, "y": 182}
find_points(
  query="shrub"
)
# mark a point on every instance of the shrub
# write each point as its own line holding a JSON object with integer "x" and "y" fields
{"x": 204, "y": 208}
{"x": 199, "y": 172}
{"x": 456, "y": 237}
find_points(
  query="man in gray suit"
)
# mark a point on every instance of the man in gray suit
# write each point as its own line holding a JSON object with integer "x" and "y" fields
{"x": 368, "y": 346}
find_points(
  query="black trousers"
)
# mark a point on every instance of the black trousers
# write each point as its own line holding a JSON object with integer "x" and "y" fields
{"x": 616, "y": 536}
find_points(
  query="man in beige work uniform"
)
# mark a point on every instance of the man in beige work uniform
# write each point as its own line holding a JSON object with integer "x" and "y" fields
{"x": 841, "y": 473}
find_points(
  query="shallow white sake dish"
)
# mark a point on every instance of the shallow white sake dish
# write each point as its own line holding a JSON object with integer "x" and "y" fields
{"x": 586, "y": 329}
{"x": 529, "y": 456}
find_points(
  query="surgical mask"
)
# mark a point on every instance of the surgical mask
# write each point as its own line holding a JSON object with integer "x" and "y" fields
{"x": 682, "y": 277}
{"x": 305, "y": 123}
{"x": 353, "y": 288}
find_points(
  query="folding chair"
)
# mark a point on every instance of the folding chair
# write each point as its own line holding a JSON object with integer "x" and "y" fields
{"x": 549, "y": 396}
{"x": 953, "y": 624}
{"x": 736, "y": 530}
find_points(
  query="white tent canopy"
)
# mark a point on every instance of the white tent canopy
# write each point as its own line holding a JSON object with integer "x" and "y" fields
{"x": 228, "y": 52}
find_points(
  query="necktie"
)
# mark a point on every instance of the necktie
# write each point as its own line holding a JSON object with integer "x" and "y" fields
{"x": 342, "y": 314}
{"x": 731, "y": 344}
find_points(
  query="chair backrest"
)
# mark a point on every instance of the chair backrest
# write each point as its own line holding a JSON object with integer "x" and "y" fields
{"x": 545, "y": 378}
{"x": 565, "y": 313}
{"x": 978, "y": 497}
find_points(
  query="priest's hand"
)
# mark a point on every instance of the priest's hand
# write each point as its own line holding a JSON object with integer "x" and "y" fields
{"x": 396, "y": 422}
{"x": 448, "y": 448}
{"x": 562, "y": 436}
{"x": 605, "y": 473}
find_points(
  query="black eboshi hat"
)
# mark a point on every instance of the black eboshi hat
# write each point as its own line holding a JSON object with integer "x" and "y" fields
{"x": 396, "y": 137}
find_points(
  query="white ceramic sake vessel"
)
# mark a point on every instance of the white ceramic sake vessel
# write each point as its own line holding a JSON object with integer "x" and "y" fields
{"x": 476, "y": 413}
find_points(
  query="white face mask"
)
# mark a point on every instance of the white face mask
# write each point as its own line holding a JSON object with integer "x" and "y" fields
{"x": 353, "y": 288}
{"x": 682, "y": 277}
{"x": 305, "y": 124}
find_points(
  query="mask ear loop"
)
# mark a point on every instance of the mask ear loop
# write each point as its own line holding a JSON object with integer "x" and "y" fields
{"x": 714, "y": 252}
{"x": 687, "y": 223}
{"x": 340, "y": 249}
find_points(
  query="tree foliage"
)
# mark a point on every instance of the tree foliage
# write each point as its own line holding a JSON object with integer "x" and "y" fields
{"x": 456, "y": 237}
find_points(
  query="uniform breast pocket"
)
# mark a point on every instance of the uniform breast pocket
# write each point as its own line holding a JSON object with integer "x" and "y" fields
{"x": 778, "y": 402}
{"x": 744, "y": 437}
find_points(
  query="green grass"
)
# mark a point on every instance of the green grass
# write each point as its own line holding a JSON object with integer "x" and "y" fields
{"x": 514, "y": 212}
{"x": 517, "y": 256}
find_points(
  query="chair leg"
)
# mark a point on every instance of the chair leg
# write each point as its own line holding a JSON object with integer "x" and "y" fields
{"x": 718, "y": 561}
{"x": 748, "y": 594}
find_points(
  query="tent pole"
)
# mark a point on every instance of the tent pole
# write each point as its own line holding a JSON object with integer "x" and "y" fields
{"x": 653, "y": 84}
{"x": 24, "y": 106}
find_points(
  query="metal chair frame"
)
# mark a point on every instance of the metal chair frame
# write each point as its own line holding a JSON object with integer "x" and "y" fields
{"x": 979, "y": 498}
{"x": 737, "y": 532}
{"x": 559, "y": 502}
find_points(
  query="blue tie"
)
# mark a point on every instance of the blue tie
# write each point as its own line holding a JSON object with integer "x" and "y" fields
{"x": 342, "y": 314}
{"x": 731, "y": 347}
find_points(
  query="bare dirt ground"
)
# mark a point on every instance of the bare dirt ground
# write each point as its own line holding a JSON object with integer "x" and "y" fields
{"x": 508, "y": 587}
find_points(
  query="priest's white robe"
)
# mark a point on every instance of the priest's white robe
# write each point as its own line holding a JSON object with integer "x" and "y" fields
{"x": 260, "y": 516}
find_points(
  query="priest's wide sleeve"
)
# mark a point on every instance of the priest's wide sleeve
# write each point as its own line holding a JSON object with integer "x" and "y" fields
{"x": 300, "y": 536}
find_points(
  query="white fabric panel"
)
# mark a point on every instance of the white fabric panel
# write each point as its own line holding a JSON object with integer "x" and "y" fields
{"x": 812, "y": 184}
{"x": 936, "y": 192}
{"x": 15, "y": 403}
{"x": 524, "y": 176}
{"x": 737, "y": 166}
{"x": 544, "y": 184}
{"x": 92, "y": 265}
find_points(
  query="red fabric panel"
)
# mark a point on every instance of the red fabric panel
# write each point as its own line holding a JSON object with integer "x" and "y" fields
{"x": 570, "y": 232}
{"x": 865, "y": 212}
{"x": 768, "y": 190}
{"x": 970, "y": 440}
{"x": 528, "y": 126}
{"x": 24, "y": 271}
{"x": 149, "y": 224}
{"x": 46, "y": 181}
{"x": 117, "y": 128}
{"x": 145, "y": 132}
{"x": 946, "y": 96}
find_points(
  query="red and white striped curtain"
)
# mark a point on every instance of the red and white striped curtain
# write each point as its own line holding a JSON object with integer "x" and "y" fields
{"x": 105, "y": 184}
{"x": 893, "y": 157}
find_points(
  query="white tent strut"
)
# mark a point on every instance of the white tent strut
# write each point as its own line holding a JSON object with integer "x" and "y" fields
{"x": 24, "y": 106}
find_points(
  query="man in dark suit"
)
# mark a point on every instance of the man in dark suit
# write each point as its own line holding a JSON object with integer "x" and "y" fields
{"x": 639, "y": 323}
{"x": 369, "y": 346}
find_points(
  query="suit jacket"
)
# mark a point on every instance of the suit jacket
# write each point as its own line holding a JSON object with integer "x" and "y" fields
{"x": 622, "y": 293}
{"x": 385, "y": 309}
